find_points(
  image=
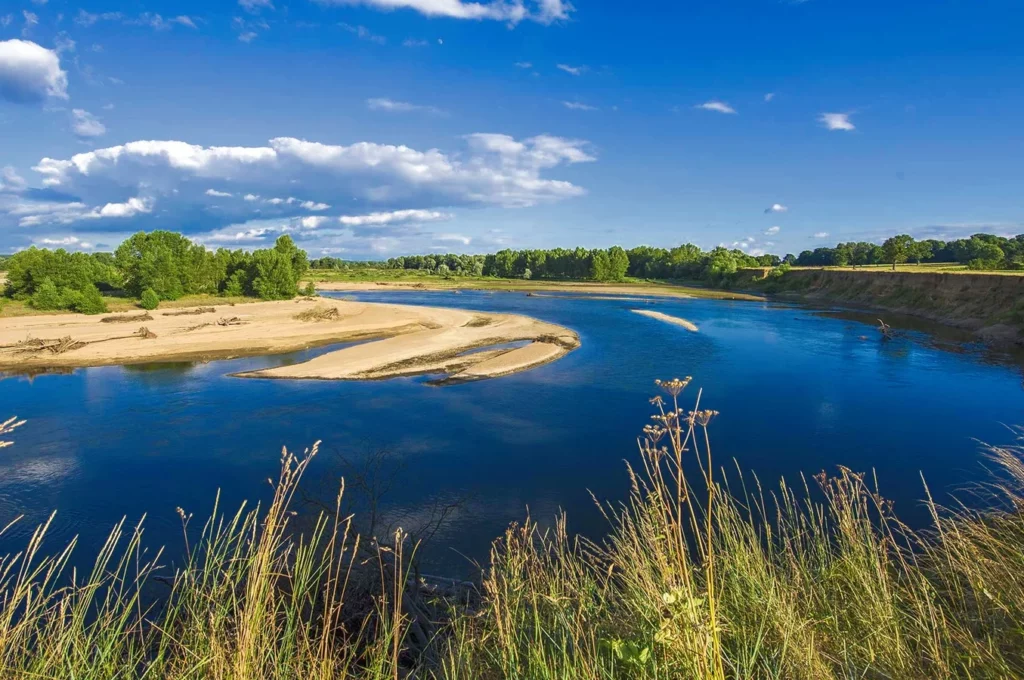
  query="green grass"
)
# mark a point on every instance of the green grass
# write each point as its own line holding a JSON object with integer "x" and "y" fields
{"x": 12, "y": 308}
{"x": 702, "y": 574}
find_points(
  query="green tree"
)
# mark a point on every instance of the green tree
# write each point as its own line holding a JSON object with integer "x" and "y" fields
{"x": 618, "y": 263}
{"x": 897, "y": 249}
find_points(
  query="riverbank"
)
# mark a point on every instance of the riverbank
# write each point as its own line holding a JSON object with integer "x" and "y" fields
{"x": 409, "y": 340}
{"x": 565, "y": 287}
{"x": 989, "y": 305}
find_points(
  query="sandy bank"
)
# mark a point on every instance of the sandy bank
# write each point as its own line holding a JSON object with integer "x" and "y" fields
{"x": 410, "y": 340}
{"x": 590, "y": 290}
{"x": 688, "y": 325}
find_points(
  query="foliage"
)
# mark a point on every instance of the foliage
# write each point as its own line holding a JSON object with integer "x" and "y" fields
{"x": 149, "y": 299}
{"x": 310, "y": 289}
{"x": 898, "y": 249}
{"x": 163, "y": 264}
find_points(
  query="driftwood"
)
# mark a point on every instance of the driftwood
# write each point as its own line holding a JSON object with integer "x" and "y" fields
{"x": 189, "y": 312}
{"x": 885, "y": 329}
{"x": 145, "y": 333}
{"x": 126, "y": 318}
{"x": 230, "y": 321}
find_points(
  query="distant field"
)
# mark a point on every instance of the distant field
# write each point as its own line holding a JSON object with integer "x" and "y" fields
{"x": 924, "y": 268}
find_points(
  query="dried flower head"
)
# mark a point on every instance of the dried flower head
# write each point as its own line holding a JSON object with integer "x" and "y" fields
{"x": 675, "y": 385}
{"x": 702, "y": 418}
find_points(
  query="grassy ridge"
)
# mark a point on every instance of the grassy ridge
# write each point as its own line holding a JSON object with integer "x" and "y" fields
{"x": 698, "y": 577}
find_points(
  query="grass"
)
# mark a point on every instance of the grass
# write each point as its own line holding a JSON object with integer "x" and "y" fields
{"x": 12, "y": 308}
{"x": 701, "y": 575}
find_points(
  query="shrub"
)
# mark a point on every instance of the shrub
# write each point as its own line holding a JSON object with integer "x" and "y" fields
{"x": 47, "y": 297}
{"x": 309, "y": 290}
{"x": 149, "y": 300}
{"x": 88, "y": 301}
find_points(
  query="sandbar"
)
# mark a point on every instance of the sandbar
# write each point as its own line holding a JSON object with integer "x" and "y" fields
{"x": 403, "y": 339}
{"x": 688, "y": 325}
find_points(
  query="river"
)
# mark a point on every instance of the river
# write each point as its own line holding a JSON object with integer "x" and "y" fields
{"x": 798, "y": 390}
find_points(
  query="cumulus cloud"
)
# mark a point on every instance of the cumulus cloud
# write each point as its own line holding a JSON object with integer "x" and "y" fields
{"x": 86, "y": 125}
{"x": 775, "y": 208}
{"x": 837, "y": 121}
{"x": 821, "y": 234}
{"x": 572, "y": 70}
{"x": 167, "y": 184}
{"x": 577, "y": 106}
{"x": 510, "y": 11}
{"x": 715, "y": 105}
{"x": 772, "y": 231}
{"x": 392, "y": 106}
{"x": 30, "y": 73}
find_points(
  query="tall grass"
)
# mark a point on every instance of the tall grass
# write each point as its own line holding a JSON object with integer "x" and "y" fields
{"x": 702, "y": 574}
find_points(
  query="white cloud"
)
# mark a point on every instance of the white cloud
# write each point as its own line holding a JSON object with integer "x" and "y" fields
{"x": 218, "y": 194}
{"x": 6, "y": 20}
{"x": 165, "y": 184}
{"x": 577, "y": 106}
{"x": 393, "y": 217}
{"x": 769, "y": 96}
{"x": 86, "y": 125}
{"x": 414, "y": 42}
{"x": 510, "y": 11}
{"x": 248, "y": 36}
{"x": 130, "y": 208}
{"x": 772, "y": 231}
{"x": 30, "y": 73}
{"x": 11, "y": 181}
{"x": 837, "y": 121}
{"x": 453, "y": 238}
{"x": 715, "y": 105}
{"x": 821, "y": 234}
{"x": 363, "y": 33}
{"x": 392, "y": 106}
{"x": 148, "y": 19}
{"x": 573, "y": 70}
{"x": 60, "y": 242}
{"x": 775, "y": 208}
{"x": 523, "y": 64}
{"x": 31, "y": 20}
{"x": 255, "y": 5}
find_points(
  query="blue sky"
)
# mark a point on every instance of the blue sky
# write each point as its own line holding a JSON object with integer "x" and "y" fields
{"x": 374, "y": 128}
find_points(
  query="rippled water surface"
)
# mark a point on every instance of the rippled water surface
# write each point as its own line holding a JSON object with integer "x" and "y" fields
{"x": 798, "y": 391}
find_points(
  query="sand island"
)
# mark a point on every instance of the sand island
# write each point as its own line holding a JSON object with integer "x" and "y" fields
{"x": 401, "y": 340}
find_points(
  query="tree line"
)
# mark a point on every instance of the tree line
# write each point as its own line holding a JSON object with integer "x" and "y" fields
{"x": 155, "y": 266}
{"x": 980, "y": 251}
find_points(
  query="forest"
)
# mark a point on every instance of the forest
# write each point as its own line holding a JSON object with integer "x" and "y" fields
{"x": 690, "y": 262}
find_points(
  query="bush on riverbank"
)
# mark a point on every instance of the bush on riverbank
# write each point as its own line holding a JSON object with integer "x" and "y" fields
{"x": 698, "y": 577}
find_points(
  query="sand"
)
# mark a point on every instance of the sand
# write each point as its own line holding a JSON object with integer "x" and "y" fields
{"x": 585, "y": 290}
{"x": 407, "y": 340}
{"x": 688, "y": 325}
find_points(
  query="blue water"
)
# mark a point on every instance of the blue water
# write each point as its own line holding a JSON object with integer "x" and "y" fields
{"x": 798, "y": 391}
